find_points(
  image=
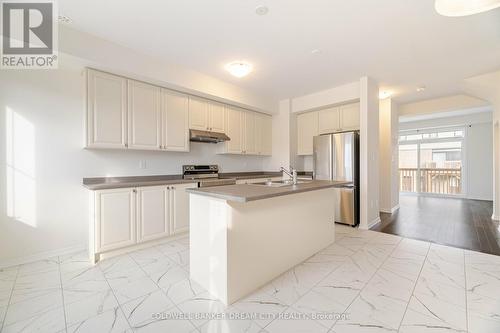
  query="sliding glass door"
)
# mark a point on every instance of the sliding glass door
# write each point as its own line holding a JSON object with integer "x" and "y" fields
{"x": 431, "y": 161}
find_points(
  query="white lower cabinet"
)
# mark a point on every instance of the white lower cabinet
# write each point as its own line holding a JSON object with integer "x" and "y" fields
{"x": 153, "y": 211}
{"x": 179, "y": 200}
{"x": 114, "y": 219}
{"x": 129, "y": 216}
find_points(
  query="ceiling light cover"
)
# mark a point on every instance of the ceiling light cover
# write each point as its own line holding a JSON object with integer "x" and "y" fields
{"x": 384, "y": 94}
{"x": 261, "y": 10}
{"x": 464, "y": 7}
{"x": 239, "y": 68}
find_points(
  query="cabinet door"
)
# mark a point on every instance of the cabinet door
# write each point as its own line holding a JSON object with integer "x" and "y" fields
{"x": 307, "y": 128}
{"x": 143, "y": 116}
{"x": 175, "y": 121}
{"x": 249, "y": 145}
{"x": 115, "y": 219}
{"x": 179, "y": 201}
{"x": 259, "y": 132}
{"x": 106, "y": 110}
{"x": 329, "y": 120}
{"x": 233, "y": 131}
{"x": 216, "y": 117}
{"x": 153, "y": 213}
{"x": 263, "y": 134}
{"x": 198, "y": 114}
{"x": 267, "y": 135}
{"x": 349, "y": 116}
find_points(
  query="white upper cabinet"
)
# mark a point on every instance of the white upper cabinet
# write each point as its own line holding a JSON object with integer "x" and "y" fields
{"x": 206, "y": 115}
{"x": 329, "y": 120}
{"x": 349, "y": 116}
{"x": 124, "y": 113}
{"x": 144, "y": 116}
{"x": 175, "y": 121}
{"x": 115, "y": 219}
{"x": 250, "y": 132}
{"x": 106, "y": 110}
{"x": 198, "y": 113}
{"x": 307, "y": 128}
{"x": 249, "y": 144}
{"x": 153, "y": 211}
{"x": 216, "y": 117}
{"x": 234, "y": 131}
{"x": 263, "y": 134}
{"x": 267, "y": 135}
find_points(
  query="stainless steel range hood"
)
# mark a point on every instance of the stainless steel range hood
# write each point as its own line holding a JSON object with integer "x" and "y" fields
{"x": 206, "y": 136}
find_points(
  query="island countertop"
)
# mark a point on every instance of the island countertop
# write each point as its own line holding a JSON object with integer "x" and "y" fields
{"x": 252, "y": 192}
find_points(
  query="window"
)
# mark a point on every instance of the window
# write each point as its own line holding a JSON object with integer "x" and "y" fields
{"x": 430, "y": 161}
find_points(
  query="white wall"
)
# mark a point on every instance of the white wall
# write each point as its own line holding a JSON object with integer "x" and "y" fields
{"x": 369, "y": 153}
{"x": 389, "y": 173}
{"x": 41, "y": 119}
{"x": 478, "y": 150}
{"x": 487, "y": 86}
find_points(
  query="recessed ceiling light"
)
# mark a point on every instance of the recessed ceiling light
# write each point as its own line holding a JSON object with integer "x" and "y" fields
{"x": 239, "y": 68}
{"x": 420, "y": 89}
{"x": 64, "y": 19}
{"x": 261, "y": 10}
{"x": 316, "y": 51}
{"x": 464, "y": 7}
{"x": 385, "y": 94}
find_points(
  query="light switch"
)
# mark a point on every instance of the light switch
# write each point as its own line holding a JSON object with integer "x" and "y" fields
{"x": 142, "y": 164}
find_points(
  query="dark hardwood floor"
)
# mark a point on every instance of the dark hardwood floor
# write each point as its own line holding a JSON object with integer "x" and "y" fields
{"x": 455, "y": 222}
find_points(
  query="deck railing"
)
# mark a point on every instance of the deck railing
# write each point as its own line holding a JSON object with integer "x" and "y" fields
{"x": 432, "y": 180}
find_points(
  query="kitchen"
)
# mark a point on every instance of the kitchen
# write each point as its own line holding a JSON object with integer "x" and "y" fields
{"x": 144, "y": 190}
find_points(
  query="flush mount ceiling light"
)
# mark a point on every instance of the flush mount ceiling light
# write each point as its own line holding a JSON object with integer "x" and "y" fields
{"x": 384, "y": 94}
{"x": 261, "y": 10}
{"x": 239, "y": 68}
{"x": 420, "y": 89}
{"x": 464, "y": 7}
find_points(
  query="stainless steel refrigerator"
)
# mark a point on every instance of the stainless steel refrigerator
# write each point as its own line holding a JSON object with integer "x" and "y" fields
{"x": 336, "y": 157}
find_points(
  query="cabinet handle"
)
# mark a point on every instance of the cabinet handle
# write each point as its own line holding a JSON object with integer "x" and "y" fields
{"x": 172, "y": 188}
{"x": 134, "y": 190}
{"x": 126, "y": 145}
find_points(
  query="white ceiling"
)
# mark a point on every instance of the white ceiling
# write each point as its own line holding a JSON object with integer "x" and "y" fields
{"x": 403, "y": 44}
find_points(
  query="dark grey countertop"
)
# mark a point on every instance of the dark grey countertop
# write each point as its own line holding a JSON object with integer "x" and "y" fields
{"x": 103, "y": 183}
{"x": 252, "y": 192}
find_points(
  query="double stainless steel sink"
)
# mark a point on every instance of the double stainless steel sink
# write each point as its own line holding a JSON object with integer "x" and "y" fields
{"x": 279, "y": 183}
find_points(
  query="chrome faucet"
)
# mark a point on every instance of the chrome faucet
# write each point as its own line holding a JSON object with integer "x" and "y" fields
{"x": 292, "y": 174}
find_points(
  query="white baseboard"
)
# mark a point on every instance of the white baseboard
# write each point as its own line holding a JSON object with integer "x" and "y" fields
{"x": 389, "y": 211}
{"x": 42, "y": 256}
{"x": 374, "y": 222}
{"x": 371, "y": 224}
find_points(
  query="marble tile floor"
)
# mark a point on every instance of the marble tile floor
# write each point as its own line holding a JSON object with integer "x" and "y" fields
{"x": 365, "y": 282}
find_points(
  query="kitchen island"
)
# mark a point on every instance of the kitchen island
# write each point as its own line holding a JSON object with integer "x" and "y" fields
{"x": 243, "y": 236}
